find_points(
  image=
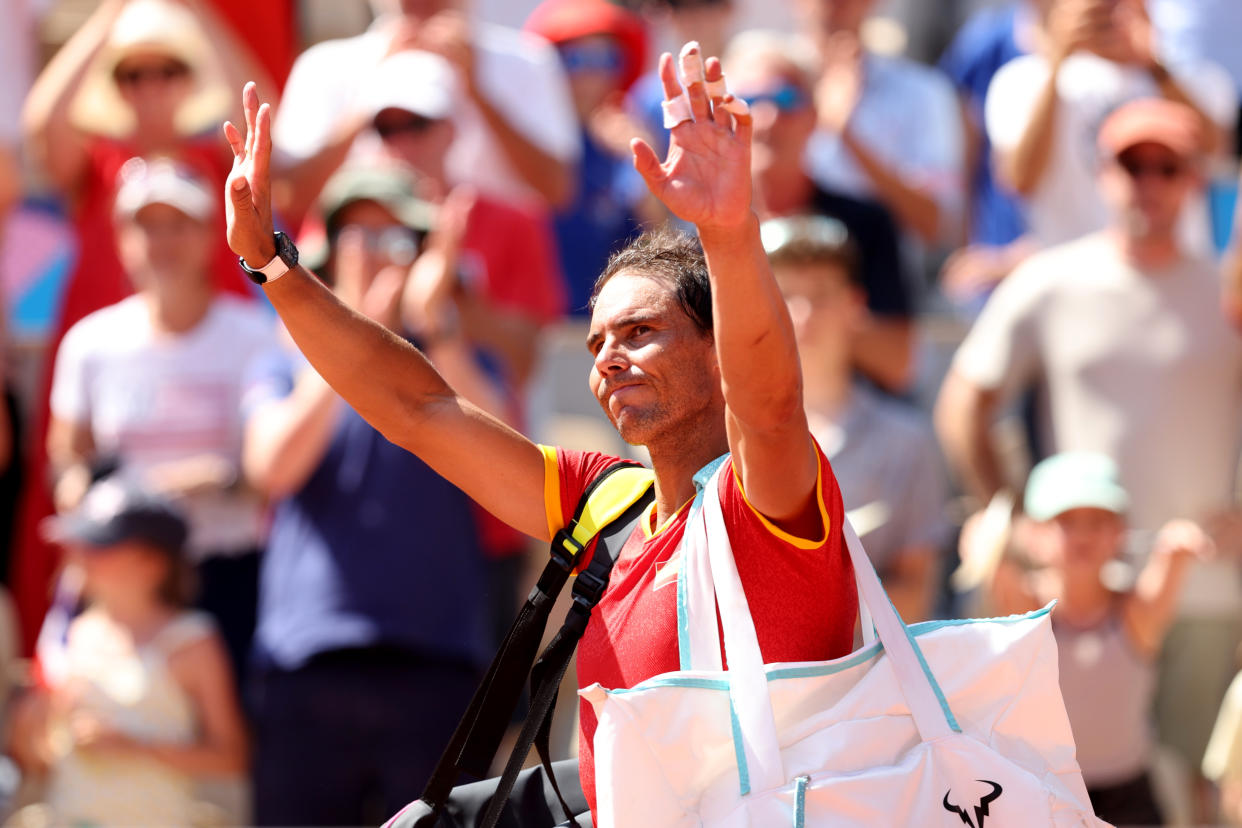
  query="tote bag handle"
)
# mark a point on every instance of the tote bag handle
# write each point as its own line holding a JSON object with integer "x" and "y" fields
{"x": 759, "y": 763}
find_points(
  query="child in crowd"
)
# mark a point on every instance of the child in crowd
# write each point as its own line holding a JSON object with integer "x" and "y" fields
{"x": 1107, "y": 637}
{"x": 137, "y": 701}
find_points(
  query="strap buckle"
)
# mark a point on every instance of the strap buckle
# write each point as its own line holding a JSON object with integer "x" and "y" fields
{"x": 566, "y": 551}
{"x": 588, "y": 589}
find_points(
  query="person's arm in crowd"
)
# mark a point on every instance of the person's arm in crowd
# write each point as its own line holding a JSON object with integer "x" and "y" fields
{"x": 202, "y": 669}
{"x": 448, "y": 34}
{"x": 384, "y": 378}
{"x": 51, "y": 139}
{"x": 911, "y": 583}
{"x": 232, "y": 57}
{"x": 884, "y": 352}
{"x": 963, "y": 418}
{"x": 286, "y": 439}
{"x": 29, "y": 740}
{"x": 296, "y": 183}
{"x": 706, "y": 181}
{"x": 70, "y": 450}
{"x": 1150, "y": 609}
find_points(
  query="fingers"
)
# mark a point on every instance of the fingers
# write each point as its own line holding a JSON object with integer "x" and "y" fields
{"x": 646, "y": 162}
{"x": 694, "y": 78}
{"x": 250, "y": 106}
{"x": 262, "y": 147}
{"x": 716, "y": 90}
{"x": 236, "y": 142}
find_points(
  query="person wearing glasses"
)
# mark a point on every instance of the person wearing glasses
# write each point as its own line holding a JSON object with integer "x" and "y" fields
{"x": 883, "y": 453}
{"x": 1122, "y": 336}
{"x": 774, "y": 73}
{"x": 601, "y": 46}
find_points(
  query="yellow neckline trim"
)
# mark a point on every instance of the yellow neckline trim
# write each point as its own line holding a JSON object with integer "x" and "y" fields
{"x": 650, "y": 517}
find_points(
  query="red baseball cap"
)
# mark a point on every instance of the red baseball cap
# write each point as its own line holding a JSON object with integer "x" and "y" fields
{"x": 1152, "y": 120}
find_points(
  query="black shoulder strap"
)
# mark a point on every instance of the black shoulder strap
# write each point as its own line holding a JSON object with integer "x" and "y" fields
{"x": 549, "y": 670}
{"x": 482, "y": 726}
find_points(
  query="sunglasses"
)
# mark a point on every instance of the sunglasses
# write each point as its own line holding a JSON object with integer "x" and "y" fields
{"x": 786, "y": 98}
{"x": 137, "y": 75}
{"x": 409, "y": 125}
{"x": 1168, "y": 170}
{"x": 580, "y": 59}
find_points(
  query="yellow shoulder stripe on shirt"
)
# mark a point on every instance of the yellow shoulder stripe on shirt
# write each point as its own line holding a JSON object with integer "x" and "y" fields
{"x": 606, "y": 503}
{"x": 825, "y": 521}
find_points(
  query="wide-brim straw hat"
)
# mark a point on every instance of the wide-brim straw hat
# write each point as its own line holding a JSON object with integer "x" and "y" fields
{"x": 153, "y": 26}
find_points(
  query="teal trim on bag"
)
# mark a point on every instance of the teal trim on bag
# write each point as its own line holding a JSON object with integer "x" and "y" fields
{"x": 935, "y": 685}
{"x": 800, "y": 801}
{"x": 701, "y": 477}
{"x": 739, "y": 753}
{"x": 922, "y": 628}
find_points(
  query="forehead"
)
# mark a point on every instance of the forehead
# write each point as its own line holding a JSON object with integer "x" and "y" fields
{"x": 631, "y": 296}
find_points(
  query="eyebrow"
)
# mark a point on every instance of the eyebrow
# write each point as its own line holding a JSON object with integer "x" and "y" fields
{"x": 629, "y": 320}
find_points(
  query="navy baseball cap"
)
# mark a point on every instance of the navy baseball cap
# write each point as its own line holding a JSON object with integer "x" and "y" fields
{"x": 113, "y": 511}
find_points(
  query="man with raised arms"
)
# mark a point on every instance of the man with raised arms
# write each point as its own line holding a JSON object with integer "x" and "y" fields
{"x": 694, "y": 357}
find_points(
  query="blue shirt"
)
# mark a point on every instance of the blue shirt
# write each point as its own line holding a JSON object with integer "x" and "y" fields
{"x": 375, "y": 549}
{"x": 983, "y": 45}
{"x": 600, "y": 220}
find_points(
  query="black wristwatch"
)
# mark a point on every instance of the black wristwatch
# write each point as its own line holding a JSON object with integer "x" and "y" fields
{"x": 286, "y": 258}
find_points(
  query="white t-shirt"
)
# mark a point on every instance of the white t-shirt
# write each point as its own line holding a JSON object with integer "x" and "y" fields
{"x": 908, "y": 115}
{"x": 1066, "y": 203}
{"x": 151, "y": 398}
{"x": 519, "y": 73}
{"x": 1140, "y": 366}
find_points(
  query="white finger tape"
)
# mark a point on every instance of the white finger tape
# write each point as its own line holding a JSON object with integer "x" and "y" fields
{"x": 717, "y": 88}
{"x": 736, "y": 106}
{"x": 691, "y": 60}
{"x": 676, "y": 111}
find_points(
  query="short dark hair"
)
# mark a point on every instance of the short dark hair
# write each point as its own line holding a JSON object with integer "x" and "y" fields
{"x": 672, "y": 257}
{"x": 811, "y": 240}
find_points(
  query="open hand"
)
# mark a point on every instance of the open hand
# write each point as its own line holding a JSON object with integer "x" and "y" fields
{"x": 248, "y": 191}
{"x": 705, "y": 179}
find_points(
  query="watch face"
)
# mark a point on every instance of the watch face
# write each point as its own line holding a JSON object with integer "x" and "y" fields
{"x": 286, "y": 250}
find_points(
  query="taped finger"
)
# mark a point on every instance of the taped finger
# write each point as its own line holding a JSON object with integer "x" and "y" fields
{"x": 691, "y": 61}
{"x": 735, "y": 106}
{"x": 716, "y": 89}
{"x": 677, "y": 111}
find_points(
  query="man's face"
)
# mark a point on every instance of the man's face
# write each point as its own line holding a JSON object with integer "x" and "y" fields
{"x": 161, "y": 246}
{"x": 593, "y": 65}
{"x": 413, "y": 139}
{"x": 826, "y": 308}
{"x": 654, "y": 372}
{"x": 1147, "y": 185}
{"x": 154, "y": 84}
{"x": 782, "y": 107}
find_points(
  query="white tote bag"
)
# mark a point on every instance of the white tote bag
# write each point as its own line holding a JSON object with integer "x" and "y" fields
{"x": 939, "y": 724}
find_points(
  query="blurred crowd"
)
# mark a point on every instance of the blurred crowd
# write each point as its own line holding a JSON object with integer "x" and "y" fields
{"x": 1004, "y": 230}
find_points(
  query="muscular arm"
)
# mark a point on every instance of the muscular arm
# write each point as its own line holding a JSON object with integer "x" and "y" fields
{"x": 384, "y": 378}
{"x": 963, "y": 419}
{"x": 706, "y": 180}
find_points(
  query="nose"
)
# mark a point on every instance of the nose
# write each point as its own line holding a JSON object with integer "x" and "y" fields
{"x": 610, "y": 358}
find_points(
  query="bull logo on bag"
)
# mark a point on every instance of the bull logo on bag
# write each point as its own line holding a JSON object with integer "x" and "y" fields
{"x": 981, "y": 810}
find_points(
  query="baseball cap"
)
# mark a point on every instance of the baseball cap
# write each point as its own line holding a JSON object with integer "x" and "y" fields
{"x": 114, "y": 511}
{"x": 413, "y": 81}
{"x": 1152, "y": 120}
{"x": 1074, "y": 480}
{"x": 142, "y": 182}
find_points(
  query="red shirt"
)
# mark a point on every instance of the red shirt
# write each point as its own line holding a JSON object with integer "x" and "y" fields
{"x": 801, "y": 593}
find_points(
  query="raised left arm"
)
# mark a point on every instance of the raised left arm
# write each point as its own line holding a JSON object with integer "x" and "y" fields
{"x": 706, "y": 180}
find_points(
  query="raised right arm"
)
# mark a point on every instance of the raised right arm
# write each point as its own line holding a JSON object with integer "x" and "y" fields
{"x": 384, "y": 378}
{"x": 55, "y": 144}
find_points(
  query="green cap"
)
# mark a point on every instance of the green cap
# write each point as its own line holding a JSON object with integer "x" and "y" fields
{"x": 393, "y": 186}
{"x": 1074, "y": 480}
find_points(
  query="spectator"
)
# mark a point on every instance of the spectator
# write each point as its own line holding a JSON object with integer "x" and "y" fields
{"x": 995, "y": 223}
{"x": 1122, "y": 336}
{"x": 886, "y": 460}
{"x": 601, "y": 47}
{"x": 680, "y": 21}
{"x": 146, "y": 702}
{"x": 1043, "y": 111}
{"x": 1107, "y": 640}
{"x": 508, "y": 260}
{"x": 139, "y": 78}
{"x": 371, "y": 637}
{"x": 517, "y": 137}
{"x": 889, "y": 128}
{"x": 773, "y": 72}
{"x": 152, "y": 385}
